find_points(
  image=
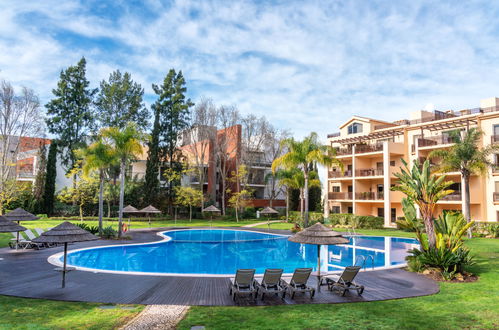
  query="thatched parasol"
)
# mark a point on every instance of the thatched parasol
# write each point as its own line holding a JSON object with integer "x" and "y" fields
{"x": 19, "y": 215}
{"x": 211, "y": 209}
{"x": 150, "y": 210}
{"x": 130, "y": 209}
{"x": 268, "y": 211}
{"x": 7, "y": 226}
{"x": 65, "y": 233}
{"x": 318, "y": 234}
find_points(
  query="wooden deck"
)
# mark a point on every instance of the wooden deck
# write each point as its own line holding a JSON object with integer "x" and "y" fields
{"x": 28, "y": 274}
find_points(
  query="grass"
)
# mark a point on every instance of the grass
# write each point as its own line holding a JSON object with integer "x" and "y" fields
{"x": 22, "y": 313}
{"x": 457, "y": 306}
{"x": 6, "y": 237}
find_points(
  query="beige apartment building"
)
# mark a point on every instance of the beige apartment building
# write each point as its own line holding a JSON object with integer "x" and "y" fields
{"x": 371, "y": 151}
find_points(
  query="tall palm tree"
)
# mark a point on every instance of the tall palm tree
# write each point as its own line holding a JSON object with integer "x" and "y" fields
{"x": 305, "y": 155}
{"x": 466, "y": 157}
{"x": 423, "y": 189}
{"x": 98, "y": 156}
{"x": 127, "y": 144}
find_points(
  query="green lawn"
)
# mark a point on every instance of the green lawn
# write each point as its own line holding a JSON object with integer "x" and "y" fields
{"x": 21, "y": 313}
{"x": 5, "y": 238}
{"x": 457, "y": 306}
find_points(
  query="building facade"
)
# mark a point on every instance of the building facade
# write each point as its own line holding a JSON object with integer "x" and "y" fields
{"x": 371, "y": 151}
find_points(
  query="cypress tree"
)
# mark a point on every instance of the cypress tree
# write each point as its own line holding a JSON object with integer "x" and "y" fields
{"x": 50, "y": 178}
{"x": 151, "y": 185}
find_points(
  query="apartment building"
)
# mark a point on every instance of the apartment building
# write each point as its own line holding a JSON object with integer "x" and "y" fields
{"x": 199, "y": 147}
{"x": 371, "y": 151}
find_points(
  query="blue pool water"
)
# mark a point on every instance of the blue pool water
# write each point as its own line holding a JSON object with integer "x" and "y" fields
{"x": 221, "y": 251}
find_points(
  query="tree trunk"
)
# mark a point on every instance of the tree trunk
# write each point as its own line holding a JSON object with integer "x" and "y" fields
{"x": 430, "y": 231}
{"x": 301, "y": 203}
{"x": 81, "y": 213}
{"x": 237, "y": 217}
{"x": 223, "y": 196}
{"x": 122, "y": 198}
{"x": 305, "y": 193}
{"x": 287, "y": 204}
{"x": 190, "y": 213}
{"x": 466, "y": 210}
{"x": 108, "y": 209}
{"x": 101, "y": 201}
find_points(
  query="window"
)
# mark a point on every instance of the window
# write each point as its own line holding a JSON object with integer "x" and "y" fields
{"x": 497, "y": 186}
{"x": 496, "y": 130}
{"x": 393, "y": 215}
{"x": 336, "y": 188}
{"x": 350, "y": 209}
{"x": 355, "y": 128}
{"x": 335, "y": 209}
{"x": 392, "y": 163}
{"x": 381, "y": 212}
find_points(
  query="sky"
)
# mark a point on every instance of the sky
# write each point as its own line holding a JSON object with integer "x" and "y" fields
{"x": 304, "y": 65}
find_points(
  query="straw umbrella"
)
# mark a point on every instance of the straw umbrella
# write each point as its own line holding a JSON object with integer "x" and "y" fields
{"x": 318, "y": 234}
{"x": 148, "y": 210}
{"x": 19, "y": 215}
{"x": 65, "y": 233}
{"x": 7, "y": 226}
{"x": 129, "y": 210}
{"x": 268, "y": 211}
{"x": 211, "y": 209}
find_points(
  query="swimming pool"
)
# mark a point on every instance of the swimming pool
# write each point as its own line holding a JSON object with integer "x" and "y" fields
{"x": 220, "y": 252}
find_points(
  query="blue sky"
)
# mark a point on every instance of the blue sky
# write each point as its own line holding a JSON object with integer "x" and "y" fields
{"x": 304, "y": 65}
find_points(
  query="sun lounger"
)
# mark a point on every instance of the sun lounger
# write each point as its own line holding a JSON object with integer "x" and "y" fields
{"x": 22, "y": 243}
{"x": 40, "y": 231}
{"x": 344, "y": 282}
{"x": 271, "y": 283}
{"x": 299, "y": 281}
{"x": 243, "y": 283}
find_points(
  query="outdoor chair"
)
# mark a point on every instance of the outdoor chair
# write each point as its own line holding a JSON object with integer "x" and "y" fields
{"x": 344, "y": 282}
{"x": 40, "y": 231}
{"x": 299, "y": 281}
{"x": 243, "y": 283}
{"x": 271, "y": 283}
{"x": 31, "y": 237}
{"x": 23, "y": 243}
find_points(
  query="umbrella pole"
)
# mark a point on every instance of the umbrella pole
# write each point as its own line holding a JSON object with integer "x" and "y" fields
{"x": 319, "y": 268}
{"x": 149, "y": 218}
{"x": 17, "y": 239}
{"x": 64, "y": 267}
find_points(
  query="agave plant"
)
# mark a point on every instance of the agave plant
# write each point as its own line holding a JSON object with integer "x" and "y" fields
{"x": 450, "y": 228}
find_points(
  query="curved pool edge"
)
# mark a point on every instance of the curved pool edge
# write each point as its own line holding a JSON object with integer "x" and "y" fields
{"x": 55, "y": 258}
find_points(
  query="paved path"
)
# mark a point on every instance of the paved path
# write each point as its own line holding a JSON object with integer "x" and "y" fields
{"x": 157, "y": 317}
{"x": 262, "y": 223}
{"x": 28, "y": 274}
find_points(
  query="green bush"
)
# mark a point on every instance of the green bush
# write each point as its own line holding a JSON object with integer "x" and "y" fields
{"x": 449, "y": 262}
{"x": 356, "y": 221}
{"x": 109, "y": 232}
{"x": 92, "y": 229}
{"x": 486, "y": 229}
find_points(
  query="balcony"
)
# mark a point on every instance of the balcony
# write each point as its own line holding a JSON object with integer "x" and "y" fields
{"x": 436, "y": 140}
{"x": 369, "y": 196}
{"x": 340, "y": 195}
{"x": 496, "y": 197}
{"x": 333, "y": 135}
{"x": 365, "y": 148}
{"x": 369, "y": 172}
{"x": 260, "y": 164}
{"x": 455, "y": 196}
{"x": 339, "y": 174}
{"x": 343, "y": 151}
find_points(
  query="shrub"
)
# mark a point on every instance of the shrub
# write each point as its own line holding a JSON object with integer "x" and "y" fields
{"x": 485, "y": 229}
{"x": 356, "y": 221}
{"x": 449, "y": 262}
{"x": 109, "y": 232}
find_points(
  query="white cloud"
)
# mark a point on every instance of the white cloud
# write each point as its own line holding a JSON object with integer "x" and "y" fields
{"x": 306, "y": 66}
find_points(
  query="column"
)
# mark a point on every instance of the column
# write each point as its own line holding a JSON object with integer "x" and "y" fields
{"x": 386, "y": 183}
{"x": 353, "y": 180}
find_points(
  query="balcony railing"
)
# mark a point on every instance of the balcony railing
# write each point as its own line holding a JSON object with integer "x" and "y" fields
{"x": 496, "y": 197}
{"x": 340, "y": 195}
{"x": 332, "y": 135}
{"x": 455, "y": 196}
{"x": 365, "y": 148}
{"x": 369, "y": 172}
{"x": 369, "y": 196}
{"x": 343, "y": 151}
{"x": 436, "y": 140}
{"x": 260, "y": 164}
{"x": 339, "y": 174}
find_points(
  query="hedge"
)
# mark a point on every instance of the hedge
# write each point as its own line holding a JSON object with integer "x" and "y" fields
{"x": 355, "y": 221}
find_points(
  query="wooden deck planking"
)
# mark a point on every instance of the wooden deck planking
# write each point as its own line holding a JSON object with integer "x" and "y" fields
{"x": 28, "y": 274}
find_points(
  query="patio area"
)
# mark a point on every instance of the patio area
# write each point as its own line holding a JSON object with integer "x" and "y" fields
{"x": 28, "y": 274}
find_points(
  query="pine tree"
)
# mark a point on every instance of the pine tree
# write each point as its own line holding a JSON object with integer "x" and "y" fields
{"x": 120, "y": 101}
{"x": 171, "y": 110}
{"x": 151, "y": 185}
{"x": 70, "y": 116}
{"x": 39, "y": 185}
{"x": 50, "y": 178}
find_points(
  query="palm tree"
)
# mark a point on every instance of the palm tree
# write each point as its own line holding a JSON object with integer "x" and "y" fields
{"x": 127, "y": 144}
{"x": 467, "y": 158}
{"x": 98, "y": 156}
{"x": 305, "y": 155}
{"x": 423, "y": 189}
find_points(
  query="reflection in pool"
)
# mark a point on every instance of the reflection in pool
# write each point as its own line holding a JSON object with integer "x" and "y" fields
{"x": 221, "y": 251}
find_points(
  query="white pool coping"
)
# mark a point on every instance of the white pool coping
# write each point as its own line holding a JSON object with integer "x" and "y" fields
{"x": 55, "y": 258}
